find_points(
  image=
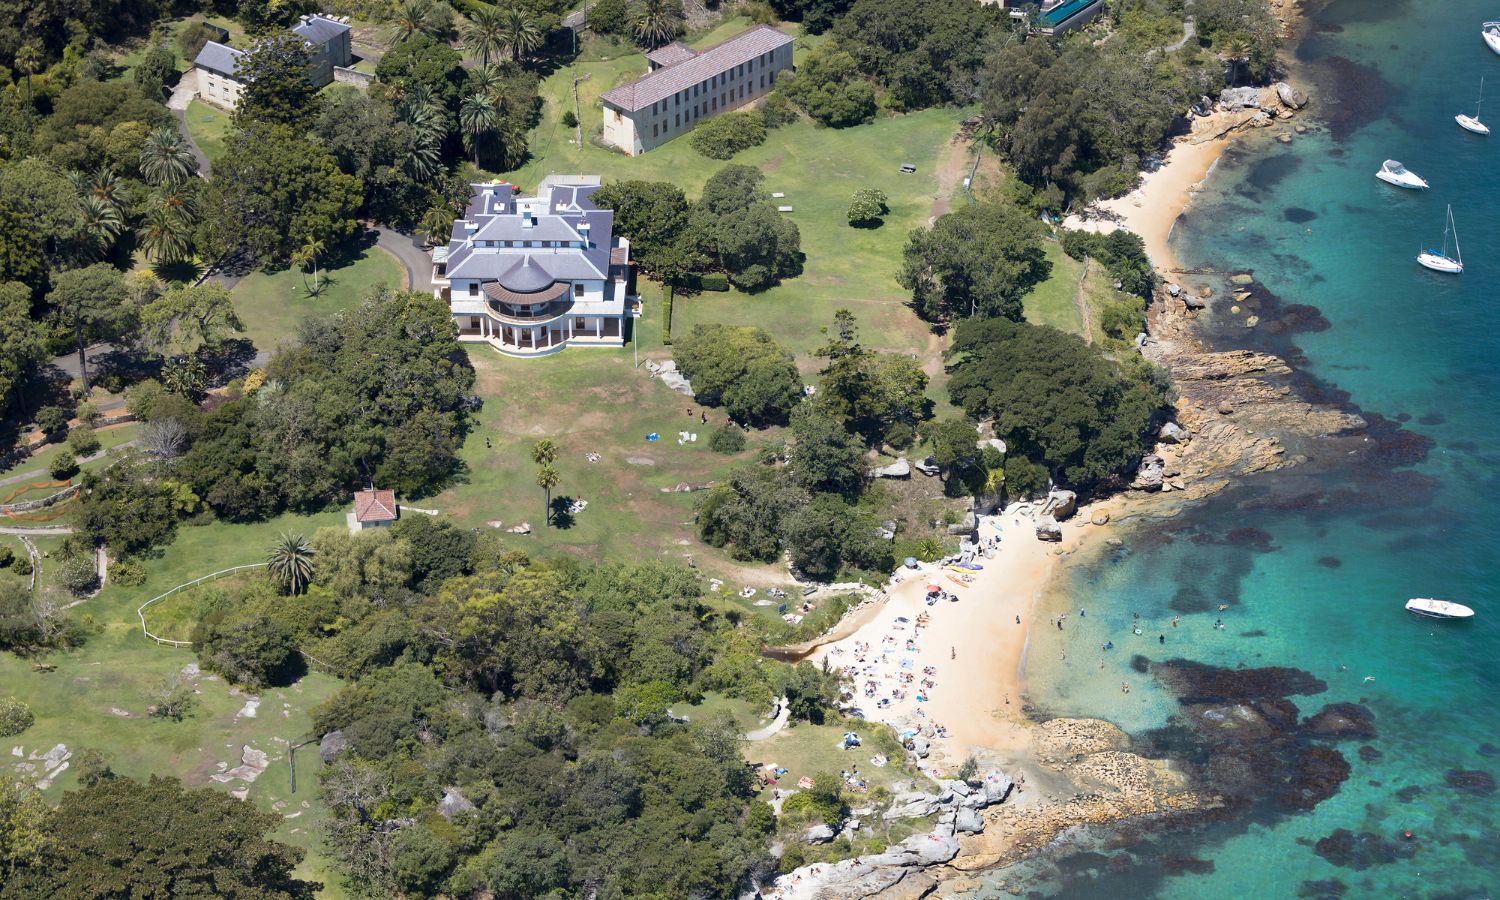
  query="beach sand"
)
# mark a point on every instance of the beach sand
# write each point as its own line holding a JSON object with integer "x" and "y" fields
{"x": 975, "y": 644}
{"x": 1151, "y": 210}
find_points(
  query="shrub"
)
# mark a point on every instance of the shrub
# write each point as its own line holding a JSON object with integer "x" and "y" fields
{"x": 15, "y": 716}
{"x": 158, "y": 65}
{"x": 713, "y": 281}
{"x": 726, "y": 439}
{"x": 7, "y": 557}
{"x": 609, "y": 17}
{"x": 78, "y": 575}
{"x": 759, "y": 12}
{"x": 88, "y": 414}
{"x": 1023, "y": 478}
{"x": 829, "y": 88}
{"x": 83, "y": 441}
{"x": 64, "y": 465}
{"x": 777, "y": 110}
{"x": 867, "y": 207}
{"x": 193, "y": 37}
{"x": 53, "y": 420}
{"x": 127, "y": 574}
{"x": 92, "y": 766}
{"x": 569, "y": 120}
{"x": 171, "y": 698}
{"x": 22, "y": 566}
{"x": 723, "y": 136}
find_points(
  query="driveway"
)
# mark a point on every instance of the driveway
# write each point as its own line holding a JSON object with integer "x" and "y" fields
{"x": 416, "y": 261}
{"x": 182, "y": 95}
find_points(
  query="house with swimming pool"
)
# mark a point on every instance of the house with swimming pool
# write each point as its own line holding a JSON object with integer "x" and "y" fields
{"x": 532, "y": 275}
{"x": 1056, "y": 16}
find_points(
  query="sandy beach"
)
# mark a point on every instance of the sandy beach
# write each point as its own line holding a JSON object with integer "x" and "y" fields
{"x": 971, "y": 650}
{"x": 1151, "y": 210}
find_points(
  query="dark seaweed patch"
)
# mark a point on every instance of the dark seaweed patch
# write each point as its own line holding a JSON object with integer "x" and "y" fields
{"x": 1298, "y": 214}
{"x": 1347, "y": 850}
{"x": 1432, "y": 419}
{"x": 1327, "y": 889}
{"x": 1330, "y": 562}
{"x": 1474, "y": 782}
{"x": 1410, "y": 793}
{"x": 1370, "y": 754}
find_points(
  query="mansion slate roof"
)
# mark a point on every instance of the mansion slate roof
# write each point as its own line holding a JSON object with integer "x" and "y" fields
{"x": 673, "y": 77}
{"x": 218, "y": 58}
{"x": 318, "y": 29}
{"x": 495, "y": 215}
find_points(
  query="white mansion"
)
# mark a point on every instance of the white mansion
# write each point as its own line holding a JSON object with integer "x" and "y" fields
{"x": 686, "y": 86}
{"x": 532, "y": 275}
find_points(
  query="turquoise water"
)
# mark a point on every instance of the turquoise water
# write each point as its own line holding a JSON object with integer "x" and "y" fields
{"x": 1316, "y": 563}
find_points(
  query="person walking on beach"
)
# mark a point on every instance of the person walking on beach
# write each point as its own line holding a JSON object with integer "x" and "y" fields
{"x": 1018, "y": 620}
{"x": 953, "y": 653}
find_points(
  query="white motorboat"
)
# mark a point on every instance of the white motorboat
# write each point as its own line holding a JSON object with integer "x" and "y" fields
{"x": 1472, "y": 123}
{"x": 1442, "y": 262}
{"x": 1392, "y": 172}
{"x": 1438, "y": 609}
{"x": 1491, "y": 33}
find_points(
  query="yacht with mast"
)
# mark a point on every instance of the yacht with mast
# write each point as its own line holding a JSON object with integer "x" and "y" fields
{"x": 1442, "y": 262}
{"x": 1472, "y": 123}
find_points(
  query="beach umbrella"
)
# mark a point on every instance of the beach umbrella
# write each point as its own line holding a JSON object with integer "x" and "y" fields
{"x": 933, "y": 589}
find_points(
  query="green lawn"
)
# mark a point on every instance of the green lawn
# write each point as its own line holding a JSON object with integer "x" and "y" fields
{"x": 272, "y": 304}
{"x": 35, "y": 466}
{"x": 81, "y": 703}
{"x": 130, "y": 54}
{"x": 1055, "y": 301}
{"x": 209, "y": 127}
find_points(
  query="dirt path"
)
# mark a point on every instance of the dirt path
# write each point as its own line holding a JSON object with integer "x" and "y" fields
{"x": 952, "y": 162}
{"x": 1080, "y": 297}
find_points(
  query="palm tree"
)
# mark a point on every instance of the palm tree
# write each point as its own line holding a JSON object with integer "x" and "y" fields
{"x": 485, "y": 33}
{"x": 307, "y": 255}
{"x": 28, "y": 58}
{"x": 543, "y": 453}
{"x": 1237, "y": 48}
{"x": 657, "y": 21}
{"x": 520, "y": 35}
{"x": 427, "y": 125}
{"x": 437, "y": 223}
{"x": 166, "y": 158}
{"x": 477, "y": 117}
{"x": 164, "y": 235}
{"x": 414, "y": 17}
{"x": 102, "y": 223}
{"x": 546, "y": 479}
{"x": 486, "y": 80}
{"x": 291, "y": 562}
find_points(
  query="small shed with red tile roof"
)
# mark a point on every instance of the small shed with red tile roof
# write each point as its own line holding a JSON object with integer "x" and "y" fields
{"x": 373, "y": 509}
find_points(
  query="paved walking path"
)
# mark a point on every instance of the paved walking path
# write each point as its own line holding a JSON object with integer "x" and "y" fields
{"x": 182, "y": 95}
{"x": 783, "y": 714}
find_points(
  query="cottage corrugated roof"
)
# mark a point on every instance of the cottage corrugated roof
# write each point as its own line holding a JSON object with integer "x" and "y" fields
{"x": 720, "y": 58}
{"x": 218, "y": 58}
{"x": 672, "y": 54}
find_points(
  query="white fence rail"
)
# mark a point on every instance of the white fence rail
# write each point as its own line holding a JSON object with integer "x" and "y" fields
{"x": 141, "y": 610}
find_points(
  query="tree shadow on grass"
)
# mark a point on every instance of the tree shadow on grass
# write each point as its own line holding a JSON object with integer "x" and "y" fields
{"x": 562, "y": 512}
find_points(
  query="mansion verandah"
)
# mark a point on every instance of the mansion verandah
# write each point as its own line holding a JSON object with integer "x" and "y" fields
{"x": 532, "y": 275}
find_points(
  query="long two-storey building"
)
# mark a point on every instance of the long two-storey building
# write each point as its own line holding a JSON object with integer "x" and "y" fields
{"x": 532, "y": 275}
{"x": 685, "y": 86}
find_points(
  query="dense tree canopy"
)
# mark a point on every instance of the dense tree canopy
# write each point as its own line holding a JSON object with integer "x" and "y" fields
{"x": 742, "y": 369}
{"x": 924, "y": 54}
{"x": 161, "y": 841}
{"x": 735, "y": 224}
{"x": 978, "y": 260}
{"x": 277, "y": 89}
{"x": 654, "y": 216}
{"x": 40, "y": 221}
{"x": 1055, "y": 399}
{"x": 829, "y": 88}
{"x": 272, "y": 192}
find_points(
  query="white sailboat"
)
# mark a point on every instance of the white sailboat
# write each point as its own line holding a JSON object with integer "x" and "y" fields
{"x": 1491, "y": 33}
{"x": 1472, "y": 123}
{"x": 1442, "y": 262}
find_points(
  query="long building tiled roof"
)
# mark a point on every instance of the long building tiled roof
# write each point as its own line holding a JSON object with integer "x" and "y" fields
{"x": 666, "y": 81}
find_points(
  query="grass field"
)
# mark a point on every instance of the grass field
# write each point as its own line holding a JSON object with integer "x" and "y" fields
{"x": 35, "y": 466}
{"x": 209, "y": 127}
{"x": 1055, "y": 301}
{"x": 96, "y": 698}
{"x": 272, "y": 304}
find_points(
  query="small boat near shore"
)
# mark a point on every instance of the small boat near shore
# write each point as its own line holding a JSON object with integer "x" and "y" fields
{"x": 1438, "y": 609}
{"x": 1491, "y": 33}
{"x": 1392, "y": 172}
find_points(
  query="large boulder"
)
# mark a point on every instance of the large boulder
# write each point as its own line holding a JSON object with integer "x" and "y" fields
{"x": 1063, "y": 504}
{"x": 901, "y": 468}
{"x": 453, "y": 803}
{"x": 332, "y": 745}
{"x": 920, "y": 746}
{"x": 932, "y": 849}
{"x": 912, "y": 805}
{"x": 954, "y": 790}
{"x": 1048, "y": 530}
{"x": 968, "y": 821}
{"x": 997, "y": 786}
{"x": 1234, "y": 99}
{"x": 1290, "y": 96}
{"x": 818, "y": 834}
{"x": 1172, "y": 433}
{"x": 1149, "y": 475}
